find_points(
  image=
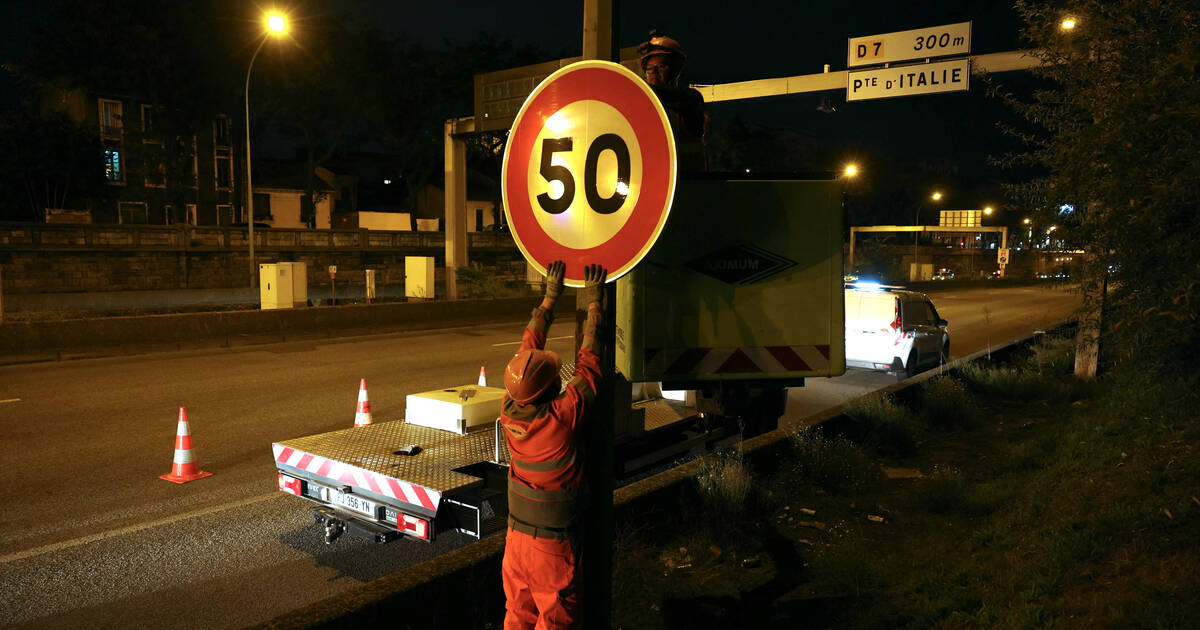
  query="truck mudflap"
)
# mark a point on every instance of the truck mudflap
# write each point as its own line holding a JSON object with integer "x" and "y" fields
{"x": 371, "y": 481}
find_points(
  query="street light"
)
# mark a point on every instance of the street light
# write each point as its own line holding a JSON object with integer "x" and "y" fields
{"x": 1067, "y": 24}
{"x": 276, "y": 24}
{"x": 851, "y": 170}
{"x": 987, "y": 210}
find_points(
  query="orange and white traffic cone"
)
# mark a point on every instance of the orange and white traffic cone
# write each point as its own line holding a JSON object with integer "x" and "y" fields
{"x": 482, "y": 377}
{"x": 184, "y": 467}
{"x": 362, "y": 415}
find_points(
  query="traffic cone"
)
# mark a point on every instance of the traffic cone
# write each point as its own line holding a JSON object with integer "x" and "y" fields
{"x": 482, "y": 377}
{"x": 362, "y": 414}
{"x": 184, "y": 467}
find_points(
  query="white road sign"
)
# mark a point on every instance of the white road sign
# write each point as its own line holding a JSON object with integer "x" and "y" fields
{"x": 920, "y": 43}
{"x": 928, "y": 78}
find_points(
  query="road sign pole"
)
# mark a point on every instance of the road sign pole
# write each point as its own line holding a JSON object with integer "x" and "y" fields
{"x": 599, "y": 42}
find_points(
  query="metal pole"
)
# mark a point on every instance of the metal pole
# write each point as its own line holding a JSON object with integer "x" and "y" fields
{"x": 599, "y": 42}
{"x": 249, "y": 183}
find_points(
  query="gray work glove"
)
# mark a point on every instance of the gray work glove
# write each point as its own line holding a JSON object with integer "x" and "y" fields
{"x": 554, "y": 280}
{"x": 593, "y": 283}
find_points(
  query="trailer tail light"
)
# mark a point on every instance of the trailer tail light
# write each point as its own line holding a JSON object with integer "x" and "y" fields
{"x": 291, "y": 485}
{"x": 414, "y": 526}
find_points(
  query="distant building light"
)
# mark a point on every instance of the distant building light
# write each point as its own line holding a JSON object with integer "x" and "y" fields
{"x": 387, "y": 181}
{"x": 1066, "y": 208}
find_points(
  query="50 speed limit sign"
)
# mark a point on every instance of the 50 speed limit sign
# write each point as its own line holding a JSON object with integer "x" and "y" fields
{"x": 589, "y": 171}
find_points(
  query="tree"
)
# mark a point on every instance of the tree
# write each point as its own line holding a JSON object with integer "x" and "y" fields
{"x": 1114, "y": 129}
{"x": 46, "y": 161}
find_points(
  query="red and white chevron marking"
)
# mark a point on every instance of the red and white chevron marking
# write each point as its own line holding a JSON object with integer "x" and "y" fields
{"x": 767, "y": 359}
{"x": 358, "y": 477}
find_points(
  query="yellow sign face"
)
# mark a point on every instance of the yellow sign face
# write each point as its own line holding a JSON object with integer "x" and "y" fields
{"x": 589, "y": 170}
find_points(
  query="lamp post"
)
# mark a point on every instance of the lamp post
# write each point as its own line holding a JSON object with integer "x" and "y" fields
{"x": 936, "y": 196}
{"x": 276, "y": 24}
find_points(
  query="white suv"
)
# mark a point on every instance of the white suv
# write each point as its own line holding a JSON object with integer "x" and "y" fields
{"x": 888, "y": 328}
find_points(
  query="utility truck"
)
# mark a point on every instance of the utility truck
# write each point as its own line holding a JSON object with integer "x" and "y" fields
{"x": 739, "y": 298}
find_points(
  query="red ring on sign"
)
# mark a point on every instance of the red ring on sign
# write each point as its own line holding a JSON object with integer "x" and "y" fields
{"x": 633, "y": 102}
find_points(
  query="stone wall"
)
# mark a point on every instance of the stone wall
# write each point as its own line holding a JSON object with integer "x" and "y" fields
{"x": 86, "y": 258}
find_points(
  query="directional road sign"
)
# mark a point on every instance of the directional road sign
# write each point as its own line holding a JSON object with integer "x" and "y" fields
{"x": 589, "y": 170}
{"x": 925, "y": 78}
{"x": 920, "y": 43}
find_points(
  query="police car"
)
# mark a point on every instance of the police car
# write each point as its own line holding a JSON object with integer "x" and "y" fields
{"x": 893, "y": 330}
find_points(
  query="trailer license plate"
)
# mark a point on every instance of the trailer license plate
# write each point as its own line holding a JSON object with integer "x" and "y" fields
{"x": 352, "y": 502}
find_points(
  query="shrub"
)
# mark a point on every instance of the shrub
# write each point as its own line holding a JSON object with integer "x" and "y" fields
{"x": 945, "y": 403}
{"x": 725, "y": 486}
{"x": 884, "y": 425}
{"x": 1014, "y": 384}
{"x": 835, "y": 465}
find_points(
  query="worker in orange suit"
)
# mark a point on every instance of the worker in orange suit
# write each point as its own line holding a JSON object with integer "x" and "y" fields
{"x": 541, "y": 567}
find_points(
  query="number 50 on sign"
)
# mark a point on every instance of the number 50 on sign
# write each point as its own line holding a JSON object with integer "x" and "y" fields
{"x": 589, "y": 170}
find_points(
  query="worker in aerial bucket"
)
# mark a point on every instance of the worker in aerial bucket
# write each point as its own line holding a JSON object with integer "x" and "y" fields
{"x": 542, "y": 563}
{"x": 662, "y": 60}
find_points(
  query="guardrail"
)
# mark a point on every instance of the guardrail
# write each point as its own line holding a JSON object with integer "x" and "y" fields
{"x": 39, "y": 236}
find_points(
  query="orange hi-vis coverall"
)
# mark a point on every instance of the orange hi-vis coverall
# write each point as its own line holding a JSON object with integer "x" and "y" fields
{"x": 541, "y": 567}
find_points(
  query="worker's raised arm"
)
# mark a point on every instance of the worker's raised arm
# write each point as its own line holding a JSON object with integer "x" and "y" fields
{"x": 587, "y": 362}
{"x": 543, "y": 315}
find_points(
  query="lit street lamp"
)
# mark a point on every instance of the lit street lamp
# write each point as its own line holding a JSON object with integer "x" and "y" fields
{"x": 851, "y": 170}
{"x": 276, "y": 24}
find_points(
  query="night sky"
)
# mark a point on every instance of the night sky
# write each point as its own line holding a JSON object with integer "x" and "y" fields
{"x": 738, "y": 41}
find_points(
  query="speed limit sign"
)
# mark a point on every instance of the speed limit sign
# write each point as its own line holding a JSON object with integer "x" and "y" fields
{"x": 589, "y": 171}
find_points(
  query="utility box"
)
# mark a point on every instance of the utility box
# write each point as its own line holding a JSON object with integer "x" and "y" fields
{"x": 418, "y": 277}
{"x": 299, "y": 273}
{"x": 920, "y": 272}
{"x": 275, "y": 285}
{"x": 743, "y": 284}
{"x": 457, "y": 409}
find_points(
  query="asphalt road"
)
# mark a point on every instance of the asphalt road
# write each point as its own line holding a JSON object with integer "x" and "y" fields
{"x": 93, "y": 536}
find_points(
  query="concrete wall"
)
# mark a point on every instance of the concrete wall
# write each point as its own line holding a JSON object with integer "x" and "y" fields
{"x": 78, "y": 258}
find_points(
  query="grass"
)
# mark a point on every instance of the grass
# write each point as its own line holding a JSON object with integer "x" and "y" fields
{"x": 1051, "y": 504}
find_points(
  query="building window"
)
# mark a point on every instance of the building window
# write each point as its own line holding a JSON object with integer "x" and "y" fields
{"x": 224, "y": 165}
{"x": 156, "y": 176}
{"x": 479, "y": 219}
{"x": 191, "y": 214}
{"x": 133, "y": 213}
{"x": 225, "y": 214}
{"x": 262, "y": 206}
{"x": 222, "y": 136}
{"x": 147, "y": 120}
{"x": 110, "y": 118}
{"x": 113, "y": 170}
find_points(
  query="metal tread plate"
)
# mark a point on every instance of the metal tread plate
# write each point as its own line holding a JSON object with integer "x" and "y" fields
{"x": 373, "y": 447}
{"x": 662, "y": 412}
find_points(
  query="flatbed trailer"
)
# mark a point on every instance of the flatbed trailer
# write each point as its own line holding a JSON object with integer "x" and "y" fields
{"x": 394, "y": 479}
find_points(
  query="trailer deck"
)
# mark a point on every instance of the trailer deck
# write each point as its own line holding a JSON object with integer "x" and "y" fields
{"x": 367, "y": 458}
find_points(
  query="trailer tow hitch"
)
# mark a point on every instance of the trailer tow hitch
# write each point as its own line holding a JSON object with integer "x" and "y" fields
{"x": 333, "y": 529}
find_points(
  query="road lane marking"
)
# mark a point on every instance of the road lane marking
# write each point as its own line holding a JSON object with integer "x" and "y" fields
{"x": 9, "y": 400}
{"x": 517, "y": 343}
{"x": 67, "y": 544}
